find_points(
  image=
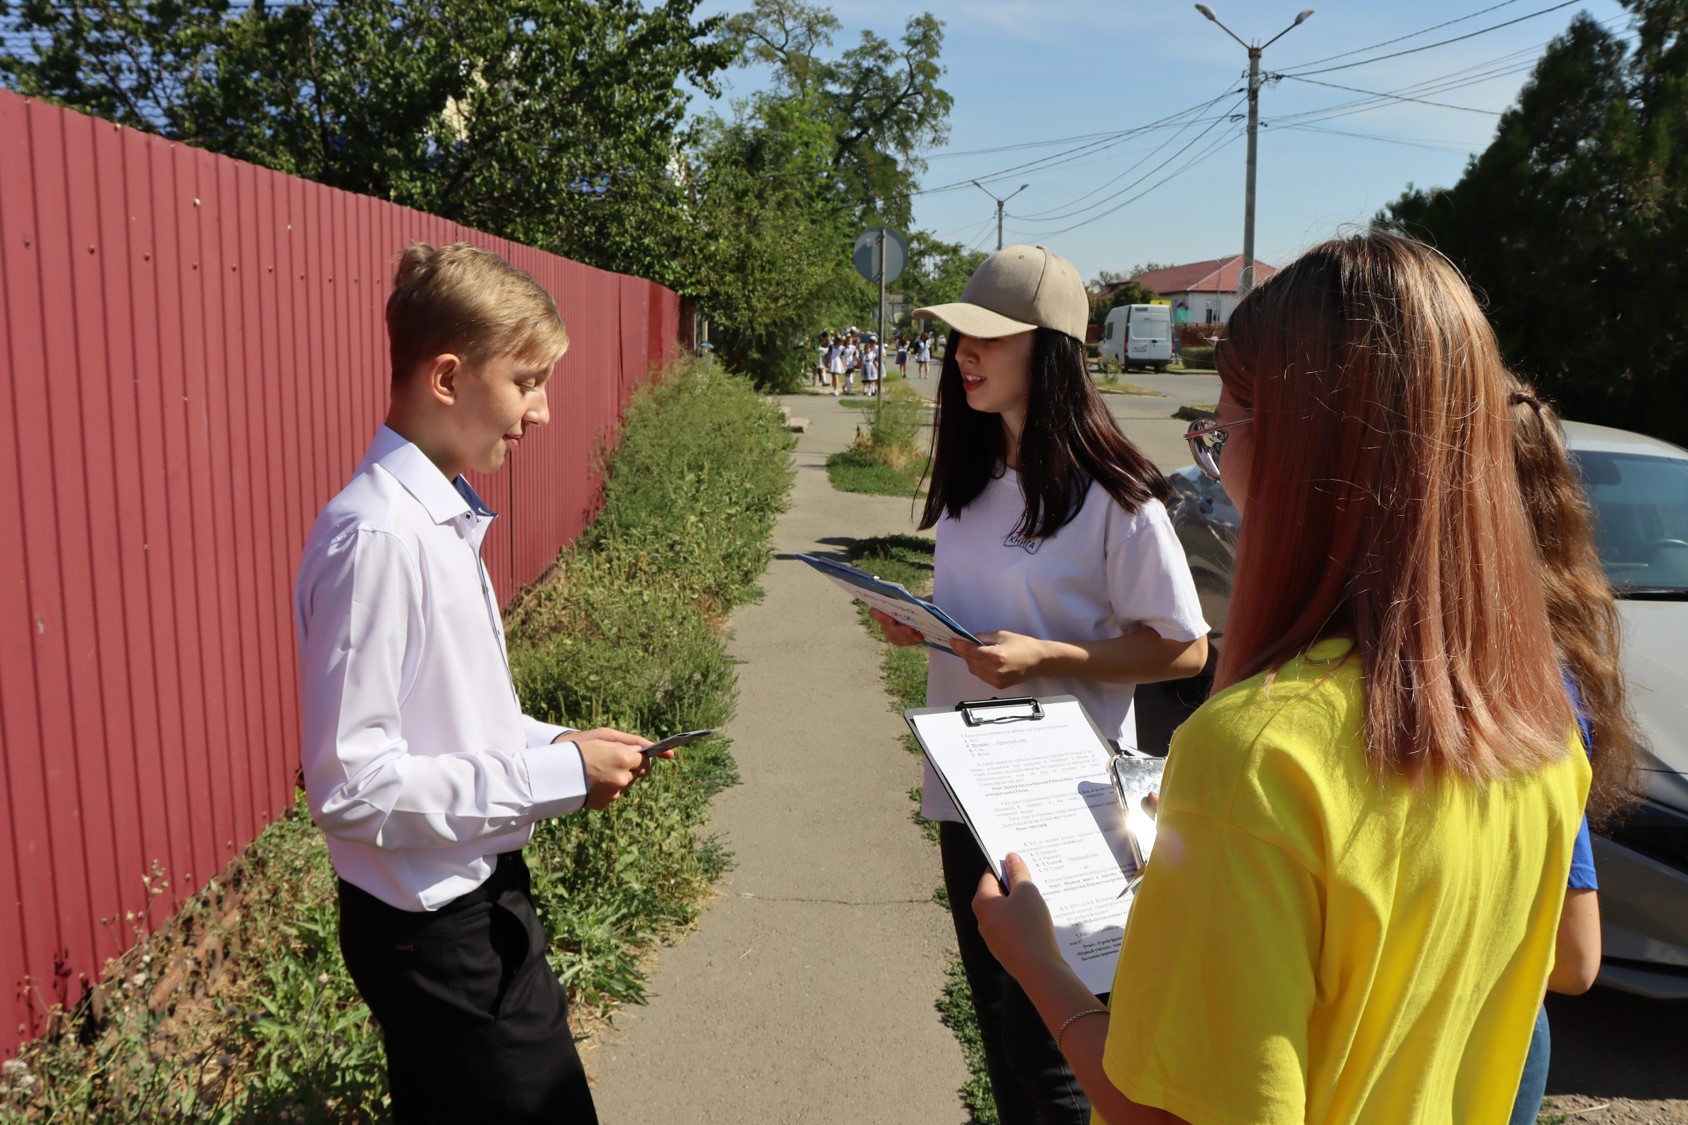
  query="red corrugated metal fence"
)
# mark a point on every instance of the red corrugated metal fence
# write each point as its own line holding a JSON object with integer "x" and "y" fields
{"x": 196, "y": 359}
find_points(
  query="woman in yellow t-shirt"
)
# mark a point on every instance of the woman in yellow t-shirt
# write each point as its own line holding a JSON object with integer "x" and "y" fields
{"x": 1364, "y": 834}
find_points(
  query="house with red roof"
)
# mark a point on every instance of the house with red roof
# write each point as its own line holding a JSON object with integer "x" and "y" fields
{"x": 1201, "y": 292}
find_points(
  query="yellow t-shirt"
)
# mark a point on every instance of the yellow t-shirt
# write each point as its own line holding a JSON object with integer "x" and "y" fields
{"x": 1312, "y": 945}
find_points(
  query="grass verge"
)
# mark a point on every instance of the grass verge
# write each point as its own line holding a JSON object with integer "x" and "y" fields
{"x": 908, "y": 559}
{"x": 239, "y": 1009}
{"x": 887, "y": 457}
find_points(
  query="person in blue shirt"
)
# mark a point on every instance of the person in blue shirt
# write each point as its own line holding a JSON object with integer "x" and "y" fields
{"x": 1584, "y": 616}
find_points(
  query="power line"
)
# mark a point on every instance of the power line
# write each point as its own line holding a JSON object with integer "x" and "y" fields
{"x": 1443, "y": 42}
{"x": 947, "y": 153}
{"x": 1219, "y": 144}
{"x": 1392, "y": 97}
{"x": 1055, "y": 159}
{"x": 1404, "y": 38}
{"x": 1067, "y": 210}
{"x": 1055, "y": 214}
{"x": 1500, "y": 66}
{"x": 1410, "y": 142}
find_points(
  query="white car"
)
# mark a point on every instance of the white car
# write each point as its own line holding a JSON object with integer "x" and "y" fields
{"x": 1639, "y": 489}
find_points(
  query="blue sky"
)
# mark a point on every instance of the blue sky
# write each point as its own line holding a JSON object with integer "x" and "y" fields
{"x": 1035, "y": 72}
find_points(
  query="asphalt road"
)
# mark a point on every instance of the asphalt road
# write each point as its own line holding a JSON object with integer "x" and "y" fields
{"x": 1147, "y": 419}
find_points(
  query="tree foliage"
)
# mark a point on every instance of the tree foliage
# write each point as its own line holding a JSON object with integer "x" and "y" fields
{"x": 1571, "y": 223}
{"x": 776, "y": 259}
{"x": 881, "y": 100}
{"x": 552, "y": 122}
{"x": 562, "y": 124}
{"x": 937, "y": 271}
{"x": 1129, "y": 293}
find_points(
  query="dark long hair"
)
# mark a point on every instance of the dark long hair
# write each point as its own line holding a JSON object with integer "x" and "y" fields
{"x": 1070, "y": 440}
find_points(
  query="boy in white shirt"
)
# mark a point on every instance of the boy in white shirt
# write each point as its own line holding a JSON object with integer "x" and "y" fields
{"x": 419, "y": 764}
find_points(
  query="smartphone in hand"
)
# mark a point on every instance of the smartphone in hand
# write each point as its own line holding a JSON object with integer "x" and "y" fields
{"x": 676, "y": 740}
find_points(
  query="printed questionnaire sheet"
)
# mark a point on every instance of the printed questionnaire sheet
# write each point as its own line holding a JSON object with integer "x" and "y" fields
{"x": 1041, "y": 788}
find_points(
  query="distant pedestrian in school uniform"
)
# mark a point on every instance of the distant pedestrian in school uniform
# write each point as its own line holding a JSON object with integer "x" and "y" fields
{"x": 923, "y": 355}
{"x": 835, "y": 363}
{"x": 852, "y": 362}
{"x": 418, "y": 762}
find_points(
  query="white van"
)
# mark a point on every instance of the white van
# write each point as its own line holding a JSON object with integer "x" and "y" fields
{"x": 1138, "y": 336}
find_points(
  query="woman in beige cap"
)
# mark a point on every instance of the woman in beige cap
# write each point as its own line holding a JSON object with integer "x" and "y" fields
{"x": 1052, "y": 536}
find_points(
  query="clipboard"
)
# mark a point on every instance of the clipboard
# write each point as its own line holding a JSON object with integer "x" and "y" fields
{"x": 1035, "y": 775}
{"x": 893, "y": 599}
{"x": 998, "y": 712}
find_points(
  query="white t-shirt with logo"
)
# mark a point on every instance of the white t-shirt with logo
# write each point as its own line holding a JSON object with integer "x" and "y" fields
{"x": 1104, "y": 574}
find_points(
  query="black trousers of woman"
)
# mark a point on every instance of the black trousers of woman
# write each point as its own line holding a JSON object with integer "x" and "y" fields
{"x": 1031, "y": 1082}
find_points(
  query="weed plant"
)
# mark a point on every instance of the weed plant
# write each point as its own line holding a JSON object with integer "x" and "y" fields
{"x": 888, "y": 457}
{"x": 264, "y": 1023}
{"x": 699, "y": 475}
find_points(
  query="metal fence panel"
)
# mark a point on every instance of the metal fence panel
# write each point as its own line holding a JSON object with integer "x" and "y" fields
{"x": 197, "y": 359}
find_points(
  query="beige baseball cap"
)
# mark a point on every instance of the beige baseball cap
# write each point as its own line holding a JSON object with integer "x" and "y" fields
{"x": 1016, "y": 289}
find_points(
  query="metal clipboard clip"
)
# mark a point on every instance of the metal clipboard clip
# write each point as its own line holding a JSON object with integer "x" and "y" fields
{"x": 1030, "y": 711}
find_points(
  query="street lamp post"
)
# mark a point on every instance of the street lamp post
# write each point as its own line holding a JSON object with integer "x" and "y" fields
{"x": 1245, "y": 280}
{"x": 999, "y": 205}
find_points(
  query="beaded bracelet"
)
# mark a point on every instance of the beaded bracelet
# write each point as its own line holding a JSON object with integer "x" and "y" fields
{"x": 1074, "y": 1018}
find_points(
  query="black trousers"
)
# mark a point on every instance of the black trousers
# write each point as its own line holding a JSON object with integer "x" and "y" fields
{"x": 1030, "y": 1081}
{"x": 474, "y": 1020}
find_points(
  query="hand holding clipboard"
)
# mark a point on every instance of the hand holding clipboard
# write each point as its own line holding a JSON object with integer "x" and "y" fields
{"x": 936, "y": 627}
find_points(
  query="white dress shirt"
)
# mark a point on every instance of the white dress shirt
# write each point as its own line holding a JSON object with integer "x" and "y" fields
{"x": 418, "y": 761}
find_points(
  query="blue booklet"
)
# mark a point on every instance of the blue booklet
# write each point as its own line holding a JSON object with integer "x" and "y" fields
{"x": 894, "y": 600}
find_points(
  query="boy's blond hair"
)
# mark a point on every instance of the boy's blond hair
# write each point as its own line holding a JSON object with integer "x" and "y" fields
{"x": 463, "y": 300}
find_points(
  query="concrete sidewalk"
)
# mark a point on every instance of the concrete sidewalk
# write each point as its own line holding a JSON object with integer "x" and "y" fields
{"x": 807, "y": 992}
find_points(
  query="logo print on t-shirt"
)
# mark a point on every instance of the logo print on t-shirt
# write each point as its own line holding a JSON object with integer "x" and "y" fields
{"x": 1028, "y": 545}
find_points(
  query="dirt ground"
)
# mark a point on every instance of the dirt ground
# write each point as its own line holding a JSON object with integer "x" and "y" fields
{"x": 1618, "y": 1060}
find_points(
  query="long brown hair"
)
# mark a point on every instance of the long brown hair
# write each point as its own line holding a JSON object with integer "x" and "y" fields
{"x": 1068, "y": 441}
{"x": 1383, "y": 506}
{"x": 1580, "y": 605}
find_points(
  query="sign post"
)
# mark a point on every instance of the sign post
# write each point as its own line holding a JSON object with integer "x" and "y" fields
{"x": 880, "y": 255}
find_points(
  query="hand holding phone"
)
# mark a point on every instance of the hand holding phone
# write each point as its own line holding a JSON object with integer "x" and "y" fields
{"x": 676, "y": 740}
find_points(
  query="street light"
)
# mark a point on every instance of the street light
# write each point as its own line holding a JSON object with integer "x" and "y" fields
{"x": 1245, "y": 280}
{"x": 999, "y": 205}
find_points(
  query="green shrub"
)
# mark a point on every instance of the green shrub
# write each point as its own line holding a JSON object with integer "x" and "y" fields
{"x": 1198, "y": 359}
{"x": 888, "y": 456}
{"x": 699, "y": 475}
{"x": 265, "y": 1024}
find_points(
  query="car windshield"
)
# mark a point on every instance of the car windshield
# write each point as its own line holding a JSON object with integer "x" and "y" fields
{"x": 1641, "y": 520}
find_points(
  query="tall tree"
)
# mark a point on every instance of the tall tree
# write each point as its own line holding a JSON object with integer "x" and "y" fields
{"x": 937, "y": 271}
{"x": 554, "y": 122}
{"x": 881, "y": 99}
{"x": 1128, "y": 293}
{"x": 1571, "y": 222}
{"x": 775, "y": 241}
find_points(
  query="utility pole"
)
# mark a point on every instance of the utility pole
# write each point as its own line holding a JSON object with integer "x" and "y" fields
{"x": 1000, "y": 203}
{"x": 1245, "y": 281}
{"x": 879, "y": 342}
